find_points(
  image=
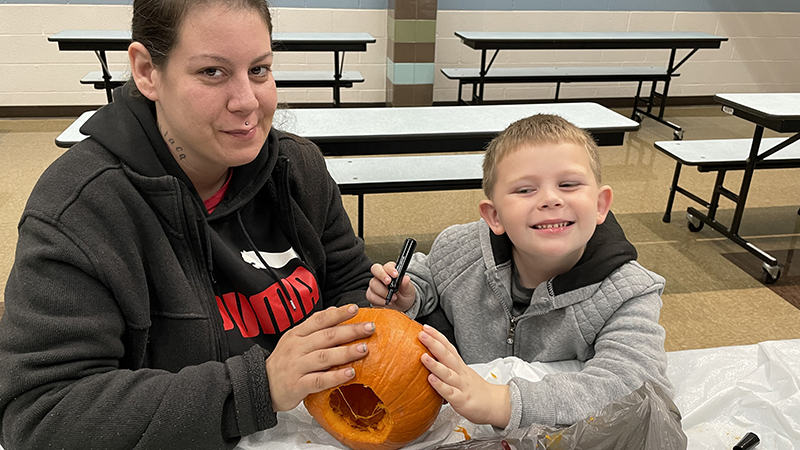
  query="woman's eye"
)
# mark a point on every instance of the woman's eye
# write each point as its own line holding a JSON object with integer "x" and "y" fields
{"x": 260, "y": 71}
{"x": 212, "y": 72}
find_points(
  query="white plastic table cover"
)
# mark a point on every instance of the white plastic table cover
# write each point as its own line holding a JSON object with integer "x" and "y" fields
{"x": 721, "y": 392}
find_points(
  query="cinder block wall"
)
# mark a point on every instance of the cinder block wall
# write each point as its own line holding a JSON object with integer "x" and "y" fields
{"x": 761, "y": 55}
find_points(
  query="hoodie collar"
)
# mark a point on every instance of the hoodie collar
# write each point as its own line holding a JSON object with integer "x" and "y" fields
{"x": 606, "y": 251}
{"x": 127, "y": 128}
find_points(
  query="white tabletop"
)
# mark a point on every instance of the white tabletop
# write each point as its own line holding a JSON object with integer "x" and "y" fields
{"x": 716, "y": 151}
{"x": 322, "y": 37}
{"x": 776, "y": 104}
{"x": 332, "y": 124}
{"x": 118, "y": 40}
{"x": 416, "y": 123}
{"x": 586, "y": 35}
{"x": 588, "y": 40}
{"x": 125, "y": 35}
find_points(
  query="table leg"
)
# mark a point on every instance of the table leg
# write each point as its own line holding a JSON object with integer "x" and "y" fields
{"x": 481, "y": 81}
{"x": 750, "y": 167}
{"x": 337, "y": 76}
{"x": 635, "y": 113}
{"x": 671, "y": 199}
{"x": 671, "y": 67}
{"x": 361, "y": 216}
{"x": 719, "y": 190}
{"x": 101, "y": 55}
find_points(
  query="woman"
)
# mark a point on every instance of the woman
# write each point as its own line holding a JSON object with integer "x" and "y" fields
{"x": 168, "y": 267}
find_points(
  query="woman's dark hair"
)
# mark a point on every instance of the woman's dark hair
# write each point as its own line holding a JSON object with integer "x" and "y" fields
{"x": 156, "y": 23}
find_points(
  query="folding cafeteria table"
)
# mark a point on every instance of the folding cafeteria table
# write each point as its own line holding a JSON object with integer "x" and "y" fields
{"x": 101, "y": 41}
{"x": 777, "y": 111}
{"x": 668, "y": 40}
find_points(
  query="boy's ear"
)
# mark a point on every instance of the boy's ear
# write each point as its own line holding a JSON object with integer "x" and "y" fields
{"x": 604, "y": 199}
{"x": 489, "y": 214}
{"x": 143, "y": 71}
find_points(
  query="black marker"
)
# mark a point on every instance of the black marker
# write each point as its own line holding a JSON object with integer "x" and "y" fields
{"x": 401, "y": 265}
{"x": 749, "y": 441}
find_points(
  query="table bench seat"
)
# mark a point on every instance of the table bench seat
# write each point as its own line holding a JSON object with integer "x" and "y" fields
{"x": 556, "y": 75}
{"x": 311, "y": 79}
{"x": 729, "y": 154}
{"x": 721, "y": 155}
{"x": 387, "y": 174}
{"x": 383, "y": 174}
{"x": 283, "y": 79}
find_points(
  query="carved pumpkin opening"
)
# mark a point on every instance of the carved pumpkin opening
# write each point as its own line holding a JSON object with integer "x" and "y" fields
{"x": 359, "y": 407}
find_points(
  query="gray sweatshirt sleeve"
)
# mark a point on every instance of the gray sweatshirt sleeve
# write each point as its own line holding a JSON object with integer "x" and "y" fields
{"x": 427, "y": 297}
{"x": 433, "y": 274}
{"x": 629, "y": 349}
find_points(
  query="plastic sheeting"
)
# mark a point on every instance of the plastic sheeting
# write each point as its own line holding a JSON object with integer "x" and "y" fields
{"x": 645, "y": 419}
{"x": 725, "y": 392}
{"x": 722, "y": 394}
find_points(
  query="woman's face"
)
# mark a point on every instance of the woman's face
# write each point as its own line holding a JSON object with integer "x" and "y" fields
{"x": 215, "y": 96}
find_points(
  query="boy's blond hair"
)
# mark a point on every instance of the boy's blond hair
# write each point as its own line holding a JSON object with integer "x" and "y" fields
{"x": 537, "y": 129}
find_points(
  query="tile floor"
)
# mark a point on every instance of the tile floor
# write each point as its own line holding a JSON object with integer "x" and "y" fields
{"x": 712, "y": 297}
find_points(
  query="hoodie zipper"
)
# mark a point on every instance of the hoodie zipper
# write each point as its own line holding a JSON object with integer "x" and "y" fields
{"x": 285, "y": 207}
{"x": 513, "y": 321}
{"x": 512, "y": 329}
{"x": 284, "y": 204}
{"x": 202, "y": 262}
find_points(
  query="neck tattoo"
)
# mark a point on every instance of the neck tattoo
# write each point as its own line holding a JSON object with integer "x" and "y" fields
{"x": 171, "y": 142}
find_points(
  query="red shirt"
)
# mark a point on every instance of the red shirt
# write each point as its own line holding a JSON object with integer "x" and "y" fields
{"x": 214, "y": 200}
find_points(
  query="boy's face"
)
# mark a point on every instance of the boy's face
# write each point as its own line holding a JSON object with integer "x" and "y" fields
{"x": 548, "y": 201}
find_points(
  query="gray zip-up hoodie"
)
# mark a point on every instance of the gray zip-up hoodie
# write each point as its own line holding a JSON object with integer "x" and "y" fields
{"x": 604, "y": 311}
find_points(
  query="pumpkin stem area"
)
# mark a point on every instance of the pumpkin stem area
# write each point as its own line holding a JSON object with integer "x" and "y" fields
{"x": 358, "y": 406}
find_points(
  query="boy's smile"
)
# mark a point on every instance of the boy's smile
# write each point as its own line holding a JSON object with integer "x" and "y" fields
{"x": 548, "y": 201}
{"x": 553, "y": 227}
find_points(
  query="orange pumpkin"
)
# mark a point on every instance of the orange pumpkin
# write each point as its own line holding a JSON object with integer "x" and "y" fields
{"x": 389, "y": 402}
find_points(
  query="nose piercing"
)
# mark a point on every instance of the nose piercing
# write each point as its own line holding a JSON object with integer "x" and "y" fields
{"x": 247, "y": 123}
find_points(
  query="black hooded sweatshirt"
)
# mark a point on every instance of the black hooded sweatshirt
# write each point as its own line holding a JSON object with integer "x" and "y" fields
{"x": 134, "y": 319}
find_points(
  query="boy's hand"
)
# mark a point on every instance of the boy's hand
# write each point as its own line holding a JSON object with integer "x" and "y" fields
{"x": 467, "y": 392}
{"x": 379, "y": 287}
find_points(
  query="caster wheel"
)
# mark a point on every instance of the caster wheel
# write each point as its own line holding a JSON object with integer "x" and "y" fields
{"x": 770, "y": 274}
{"x": 695, "y": 228}
{"x": 637, "y": 117}
{"x": 667, "y": 217}
{"x": 693, "y": 224}
{"x": 677, "y": 135}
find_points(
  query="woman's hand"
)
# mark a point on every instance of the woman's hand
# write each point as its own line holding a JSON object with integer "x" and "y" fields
{"x": 467, "y": 392}
{"x": 378, "y": 288}
{"x": 299, "y": 364}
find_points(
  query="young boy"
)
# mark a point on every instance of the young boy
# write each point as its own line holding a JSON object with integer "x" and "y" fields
{"x": 546, "y": 275}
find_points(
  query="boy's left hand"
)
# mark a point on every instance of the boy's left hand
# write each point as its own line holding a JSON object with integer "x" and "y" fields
{"x": 467, "y": 392}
